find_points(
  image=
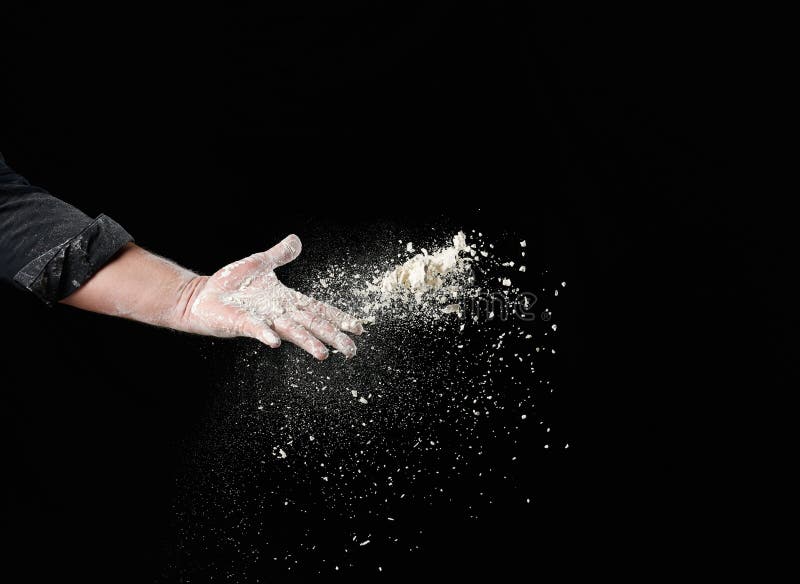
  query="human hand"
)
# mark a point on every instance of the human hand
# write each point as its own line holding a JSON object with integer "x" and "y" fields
{"x": 246, "y": 298}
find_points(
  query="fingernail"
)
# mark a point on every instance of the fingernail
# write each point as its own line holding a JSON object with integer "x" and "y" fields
{"x": 271, "y": 339}
{"x": 354, "y": 326}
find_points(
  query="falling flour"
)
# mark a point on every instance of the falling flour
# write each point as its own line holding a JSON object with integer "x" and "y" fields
{"x": 450, "y": 387}
{"x": 427, "y": 280}
{"x": 425, "y": 272}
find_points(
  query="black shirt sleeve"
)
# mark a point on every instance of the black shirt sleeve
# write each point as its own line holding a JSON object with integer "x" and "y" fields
{"x": 46, "y": 245}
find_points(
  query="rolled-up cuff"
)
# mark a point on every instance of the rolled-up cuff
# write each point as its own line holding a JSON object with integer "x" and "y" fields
{"x": 61, "y": 270}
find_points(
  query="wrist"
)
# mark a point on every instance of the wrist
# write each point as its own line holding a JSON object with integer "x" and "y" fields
{"x": 181, "y": 314}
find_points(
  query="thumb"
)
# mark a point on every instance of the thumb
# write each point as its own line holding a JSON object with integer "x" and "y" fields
{"x": 284, "y": 252}
{"x": 278, "y": 255}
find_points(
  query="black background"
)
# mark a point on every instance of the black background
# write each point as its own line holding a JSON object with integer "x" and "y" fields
{"x": 604, "y": 138}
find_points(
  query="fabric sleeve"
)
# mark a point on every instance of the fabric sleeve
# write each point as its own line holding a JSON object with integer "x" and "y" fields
{"x": 47, "y": 246}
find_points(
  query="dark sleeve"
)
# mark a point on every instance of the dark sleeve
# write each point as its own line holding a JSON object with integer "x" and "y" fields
{"x": 46, "y": 245}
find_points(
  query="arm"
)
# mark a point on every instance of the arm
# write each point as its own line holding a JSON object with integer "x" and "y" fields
{"x": 61, "y": 255}
{"x": 244, "y": 298}
{"x": 141, "y": 286}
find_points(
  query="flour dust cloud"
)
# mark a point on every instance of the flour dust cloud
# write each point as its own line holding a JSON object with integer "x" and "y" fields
{"x": 328, "y": 467}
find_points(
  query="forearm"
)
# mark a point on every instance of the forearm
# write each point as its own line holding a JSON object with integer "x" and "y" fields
{"x": 141, "y": 286}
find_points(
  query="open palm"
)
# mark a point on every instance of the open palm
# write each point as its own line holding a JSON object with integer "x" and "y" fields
{"x": 246, "y": 298}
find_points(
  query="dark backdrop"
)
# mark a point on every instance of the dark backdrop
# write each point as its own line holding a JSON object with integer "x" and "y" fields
{"x": 603, "y": 138}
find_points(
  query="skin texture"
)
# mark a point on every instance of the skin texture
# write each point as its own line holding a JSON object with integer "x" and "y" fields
{"x": 243, "y": 299}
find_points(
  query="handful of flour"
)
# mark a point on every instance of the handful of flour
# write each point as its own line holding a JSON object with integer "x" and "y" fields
{"x": 426, "y": 280}
{"x": 425, "y": 272}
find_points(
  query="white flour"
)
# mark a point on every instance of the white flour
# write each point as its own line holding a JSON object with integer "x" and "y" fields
{"x": 394, "y": 287}
{"x": 426, "y": 280}
{"x": 444, "y": 395}
{"x": 425, "y": 273}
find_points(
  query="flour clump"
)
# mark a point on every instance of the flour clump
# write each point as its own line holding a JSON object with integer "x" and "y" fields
{"x": 425, "y": 272}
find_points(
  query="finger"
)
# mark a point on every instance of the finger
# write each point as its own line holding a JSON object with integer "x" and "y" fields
{"x": 330, "y": 313}
{"x": 223, "y": 320}
{"x": 325, "y": 331}
{"x": 297, "y": 334}
{"x": 278, "y": 255}
{"x": 256, "y": 328}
